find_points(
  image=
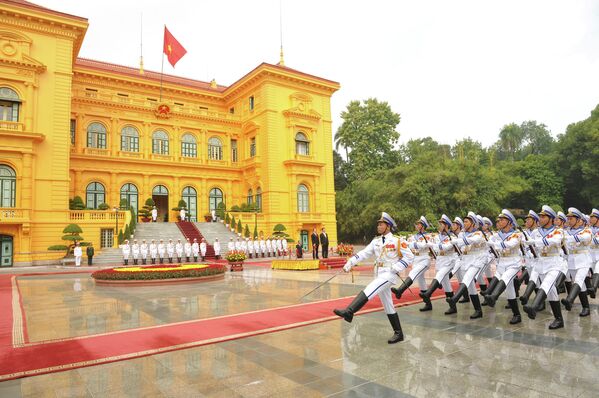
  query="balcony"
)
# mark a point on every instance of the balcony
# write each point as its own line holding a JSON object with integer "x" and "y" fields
{"x": 309, "y": 217}
{"x": 163, "y": 158}
{"x": 96, "y": 151}
{"x": 13, "y": 215}
{"x": 12, "y": 126}
{"x": 131, "y": 155}
{"x": 96, "y": 215}
{"x": 189, "y": 159}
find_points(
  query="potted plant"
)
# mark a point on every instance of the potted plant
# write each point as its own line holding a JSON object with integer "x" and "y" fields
{"x": 235, "y": 259}
{"x": 146, "y": 211}
{"x": 208, "y": 217}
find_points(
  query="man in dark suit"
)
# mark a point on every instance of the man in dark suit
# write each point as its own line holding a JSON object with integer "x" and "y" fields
{"x": 315, "y": 244}
{"x": 324, "y": 241}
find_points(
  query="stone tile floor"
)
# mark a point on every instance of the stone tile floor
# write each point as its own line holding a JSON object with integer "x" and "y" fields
{"x": 443, "y": 356}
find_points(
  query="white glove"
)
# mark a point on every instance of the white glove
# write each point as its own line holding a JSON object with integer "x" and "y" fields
{"x": 432, "y": 245}
{"x": 347, "y": 266}
{"x": 570, "y": 239}
{"x": 454, "y": 241}
{"x": 530, "y": 242}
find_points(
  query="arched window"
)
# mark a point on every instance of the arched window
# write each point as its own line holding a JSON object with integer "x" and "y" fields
{"x": 129, "y": 192}
{"x": 216, "y": 197}
{"x": 160, "y": 142}
{"x": 303, "y": 203}
{"x": 9, "y": 104}
{"x": 95, "y": 195}
{"x": 129, "y": 139}
{"x": 215, "y": 149}
{"x": 302, "y": 145}
{"x": 160, "y": 190}
{"x": 189, "y": 148}
{"x": 259, "y": 199}
{"x": 190, "y": 197}
{"x": 8, "y": 183}
{"x": 96, "y": 136}
{"x": 250, "y": 197}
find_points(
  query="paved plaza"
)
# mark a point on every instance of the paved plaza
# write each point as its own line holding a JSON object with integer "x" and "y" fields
{"x": 442, "y": 356}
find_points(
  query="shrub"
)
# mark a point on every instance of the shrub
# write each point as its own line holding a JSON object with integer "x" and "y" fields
{"x": 227, "y": 219}
{"x": 246, "y": 231}
{"x": 76, "y": 203}
{"x": 239, "y": 227}
{"x": 220, "y": 210}
{"x": 235, "y": 208}
{"x": 235, "y": 256}
{"x": 103, "y": 206}
{"x": 124, "y": 204}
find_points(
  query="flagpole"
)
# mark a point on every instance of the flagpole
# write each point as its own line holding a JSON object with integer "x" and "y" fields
{"x": 162, "y": 68}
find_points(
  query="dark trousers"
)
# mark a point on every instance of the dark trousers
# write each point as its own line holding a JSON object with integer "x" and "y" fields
{"x": 325, "y": 251}
{"x": 314, "y": 251}
{"x": 89, "y": 260}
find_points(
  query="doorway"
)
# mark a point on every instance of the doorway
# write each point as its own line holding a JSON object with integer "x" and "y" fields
{"x": 6, "y": 250}
{"x": 304, "y": 239}
{"x": 160, "y": 198}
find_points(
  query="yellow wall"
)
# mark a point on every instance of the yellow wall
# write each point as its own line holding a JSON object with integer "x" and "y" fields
{"x": 50, "y": 170}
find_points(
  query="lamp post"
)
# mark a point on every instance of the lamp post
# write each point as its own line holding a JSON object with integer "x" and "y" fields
{"x": 116, "y": 231}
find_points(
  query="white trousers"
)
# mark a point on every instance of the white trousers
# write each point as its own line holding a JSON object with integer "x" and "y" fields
{"x": 548, "y": 284}
{"x": 381, "y": 285}
{"x": 77, "y": 261}
{"x": 508, "y": 277}
{"x": 419, "y": 267}
{"x": 577, "y": 276}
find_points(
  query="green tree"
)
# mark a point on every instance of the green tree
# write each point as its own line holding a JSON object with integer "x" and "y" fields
{"x": 239, "y": 226}
{"x": 72, "y": 233}
{"x": 278, "y": 231}
{"x": 537, "y": 139}
{"x": 255, "y": 234}
{"x": 511, "y": 137}
{"x": 77, "y": 203}
{"x": 246, "y": 231}
{"x": 220, "y": 210}
{"x": 339, "y": 171}
{"x": 233, "y": 223}
{"x": 368, "y": 135}
{"x": 227, "y": 219}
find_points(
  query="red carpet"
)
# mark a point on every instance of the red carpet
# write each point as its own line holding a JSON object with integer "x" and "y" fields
{"x": 26, "y": 359}
{"x": 189, "y": 230}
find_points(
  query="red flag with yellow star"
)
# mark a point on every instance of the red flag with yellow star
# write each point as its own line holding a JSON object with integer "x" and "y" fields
{"x": 172, "y": 48}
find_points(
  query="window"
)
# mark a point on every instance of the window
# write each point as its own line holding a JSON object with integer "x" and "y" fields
{"x": 259, "y": 199}
{"x": 232, "y": 111}
{"x": 216, "y": 197}
{"x": 252, "y": 147}
{"x": 129, "y": 139}
{"x": 160, "y": 142}
{"x": 129, "y": 192}
{"x": 190, "y": 197}
{"x": 8, "y": 182}
{"x": 250, "y": 197}
{"x": 303, "y": 205}
{"x": 96, "y": 136}
{"x": 73, "y": 130}
{"x": 252, "y": 103}
{"x": 95, "y": 195}
{"x": 215, "y": 149}
{"x": 9, "y": 105}
{"x": 160, "y": 190}
{"x": 189, "y": 148}
{"x": 302, "y": 145}
{"x": 106, "y": 237}
{"x": 234, "y": 150}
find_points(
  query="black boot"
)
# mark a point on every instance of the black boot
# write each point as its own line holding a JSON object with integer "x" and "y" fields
{"x": 478, "y": 310}
{"x": 161, "y": 261}
{"x": 126, "y": 262}
{"x": 431, "y": 289}
{"x": 348, "y": 313}
{"x": 153, "y": 261}
{"x": 483, "y": 289}
{"x": 492, "y": 298}
{"x": 170, "y": 260}
{"x": 461, "y": 290}
{"x": 428, "y": 306}
{"x": 531, "y": 310}
{"x": 558, "y": 322}
{"x": 567, "y": 302}
{"x": 404, "y": 286}
{"x": 516, "y": 318}
{"x": 179, "y": 259}
{"x": 568, "y": 287}
{"x": 589, "y": 285}
{"x": 490, "y": 288}
{"x": 195, "y": 259}
{"x": 584, "y": 300}
{"x": 398, "y": 335}
{"x": 465, "y": 299}
{"x": 523, "y": 277}
{"x": 529, "y": 289}
{"x": 595, "y": 281}
{"x": 452, "y": 308}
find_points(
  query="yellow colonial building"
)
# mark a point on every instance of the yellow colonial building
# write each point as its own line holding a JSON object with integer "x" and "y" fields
{"x": 77, "y": 127}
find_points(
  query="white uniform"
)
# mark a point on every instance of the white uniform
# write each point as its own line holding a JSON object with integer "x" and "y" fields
{"x": 154, "y": 215}
{"x": 238, "y": 245}
{"x": 418, "y": 244}
{"x": 182, "y": 214}
{"x": 446, "y": 258}
{"x": 231, "y": 246}
{"x": 135, "y": 251}
{"x": 531, "y": 263}
{"x": 279, "y": 247}
{"x": 391, "y": 257}
{"x": 187, "y": 248}
{"x": 78, "y": 252}
{"x": 126, "y": 250}
{"x": 179, "y": 249}
{"x": 170, "y": 250}
{"x": 268, "y": 247}
{"x": 203, "y": 248}
{"x": 153, "y": 250}
{"x": 550, "y": 264}
{"x": 143, "y": 249}
{"x": 579, "y": 257}
{"x": 161, "y": 251}
{"x": 244, "y": 247}
{"x": 195, "y": 249}
{"x": 595, "y": 248}
{"x": 216, "y": 246}
{"x": 474, "y": 247}
{"x": 285, "y": 252}
{"x": 250, "y": 247}
{"x": 263, "y": 247}
{"x": 507, "y": 245}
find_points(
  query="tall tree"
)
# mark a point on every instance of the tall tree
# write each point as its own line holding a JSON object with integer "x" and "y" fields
{"x": 510, "y": 139}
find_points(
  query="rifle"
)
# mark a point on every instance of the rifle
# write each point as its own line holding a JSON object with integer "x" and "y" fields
{"x": 455, "y": 247}
{"x": 430, "y": 249}
{"x": 532, "y": 249}
{"x": 491, "y": 248}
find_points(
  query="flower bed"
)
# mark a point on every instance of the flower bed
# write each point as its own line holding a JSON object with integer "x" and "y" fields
{"x": 159, "y": 272}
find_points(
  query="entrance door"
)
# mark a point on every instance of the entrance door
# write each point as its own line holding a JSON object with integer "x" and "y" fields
{"x": 304, "y": 238}
{"x": 5, "y": 251}
{"x": 160, "y": 197}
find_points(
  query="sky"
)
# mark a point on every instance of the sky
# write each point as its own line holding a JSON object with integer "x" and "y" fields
{"x": 451, "y": 69}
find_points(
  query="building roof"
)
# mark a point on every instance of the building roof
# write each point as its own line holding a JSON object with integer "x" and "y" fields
{"x": 33, "y": 6}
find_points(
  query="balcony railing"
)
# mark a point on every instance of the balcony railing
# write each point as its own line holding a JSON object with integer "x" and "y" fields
{"x": 96, "y": 215}
{"x": 134, "y": 155}
{"x": 13, "y": 126}
{"x": 13, "y": 215}
{"x": 96, "y": 151}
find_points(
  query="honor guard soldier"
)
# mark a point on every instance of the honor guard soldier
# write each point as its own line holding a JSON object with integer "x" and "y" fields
{"x": 170, "y": 250}
{"x": 578, "y": 239}
{"x": 203, "y": 248}
{"x": 250, "y": 247}
{"x": 231, "y": 245}
{"x": 143, "y": 249}
{"x": 216, "y": 246}
{"x": 268, "y": 247}
{"x": 161, "y": 251}
{"x": 285, "y": 247}
{"x": 488, "y": 270}
{"x": 548, "y": 241}
{"x": 456, "y": 228}
{"x": 238, "y": 244}
{"x": 153, "y": 251}
{"x": 195, "y": 249}
{"x": 594, "y": 225}
{"x": 446, "y": 256}
{"x": 135, "y": 251}
{"x": 507, "y": 244}
{"x": 262, "y": 246}
{"x": 179, "y": 250}
{"x": 126, "y": 250}
{"x": 531, "y": 270}
{"x": 187, "y": 248}
{"x": 473, "y": 245}
{"x": 418, "y": 244}
{"x": 391, "y": 257}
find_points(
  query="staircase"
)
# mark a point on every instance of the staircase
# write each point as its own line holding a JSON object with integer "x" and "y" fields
{"x": 189, "y": 230}
{"x": 212, "y": 230}
{"x": 333, "y": 262}
{"x": 147, "y": 231}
